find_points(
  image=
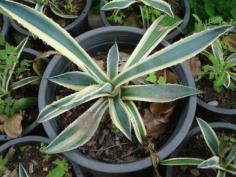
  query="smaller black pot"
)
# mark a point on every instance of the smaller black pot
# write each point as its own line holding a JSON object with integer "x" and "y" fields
{"x": 5, "y": 26}
{"x": 170, "y": 36}
{"x": 78, "y": 26}
{"x": 33, "y": 140}
{"x": 195, "y": 131}
{"x": 213, "y": 113}
{"x": 31, "y": 54}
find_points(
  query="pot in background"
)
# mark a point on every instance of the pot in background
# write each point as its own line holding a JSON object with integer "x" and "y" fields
{"x": 78, "y": 26}
{"x": 171, "y": 35}
{"x": 34, "y": 140}
{"x": 195, "y": 131}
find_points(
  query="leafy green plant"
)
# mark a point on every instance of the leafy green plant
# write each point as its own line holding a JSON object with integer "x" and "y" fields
{"x": 3, "y": 163}
{"x": 150, "y": 10}
{"x": 211, "y": 12}
{"x": 220, "y": 68}
{"x": 223, "y": 153}
{"x": 61, "y": 168}
{"x": 46, "y": 157}
{"x": 152, "y": 78}
{"x": 9, "y": 106}
{"x": 111, "y": 90}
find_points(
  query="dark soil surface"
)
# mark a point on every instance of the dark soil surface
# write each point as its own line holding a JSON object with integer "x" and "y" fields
{"x": 135, "y": 11}
{"x": 226, "y": 98}
{"x": 36, "y": 163}
{"x": 109, "y": 144}
{"x": 197, "y": 148}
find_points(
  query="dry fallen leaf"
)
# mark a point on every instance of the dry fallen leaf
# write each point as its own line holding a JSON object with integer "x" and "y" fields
{"x": 10, "y": 154}
{"x": 156, "y": 123}
{"x": 161, "y": 108}
{"x": 100, "y": 63}
{"x": 195, "y": 65}
{"x": 12, "y": 126}
{"x": 3, "y": 118}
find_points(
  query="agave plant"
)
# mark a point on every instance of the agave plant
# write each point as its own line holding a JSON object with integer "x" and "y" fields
{"x": 220, "y": 68}
{"x": 40, "y": 5}
{"x": 223, "y": 154}
{"x": 111, "y": 90}
{"x": 144, "y": 5}
{"x": 122, "y": 4}
{"x": 22, "y": 172}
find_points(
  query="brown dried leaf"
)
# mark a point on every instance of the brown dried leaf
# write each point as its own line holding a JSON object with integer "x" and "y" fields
{"x": 12, "y": 126}
{"x": 3, "y": 118}
{"x": 100, "y": 63}
{"x": 156, "y": 123}
{"x": 195, "y": 65}
{"x": 170, "y": 77}
{"x": 10, "y": 154}
{"x": 162, "y": 108}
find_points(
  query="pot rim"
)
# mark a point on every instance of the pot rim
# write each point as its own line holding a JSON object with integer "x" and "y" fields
{"x": 5, "y": 26}
{"x": 214, "y": 109}
{"x": 126, "y": 167}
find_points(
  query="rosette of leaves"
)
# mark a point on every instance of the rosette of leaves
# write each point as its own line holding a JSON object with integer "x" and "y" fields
{"x": 40, "y": 5}
{"x": 223, "y": 153}
{"x": 10, "y": 108}
{"x": 149, "y": 9}
{"x": 111, "y": 90}
{"x": 220, "y": 68}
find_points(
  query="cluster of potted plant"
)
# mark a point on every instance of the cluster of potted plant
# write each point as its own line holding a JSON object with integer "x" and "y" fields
{"x": 116, "y": 100}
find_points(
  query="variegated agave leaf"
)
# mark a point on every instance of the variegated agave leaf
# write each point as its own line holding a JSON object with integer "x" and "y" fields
{"x": 22, "y": 171}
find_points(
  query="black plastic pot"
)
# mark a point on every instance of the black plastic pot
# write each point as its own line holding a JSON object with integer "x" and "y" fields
{"x": 5, "y": 26}
{"x": 78, "y": 26}
{"x": 173, "y": 34}
{"x": 194, "y": 132}
{"x": 33, "y": 140}
{"x": 213, "y": 113}
{"x": 101, "y": 39}
{"x": 29, "y": 54}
